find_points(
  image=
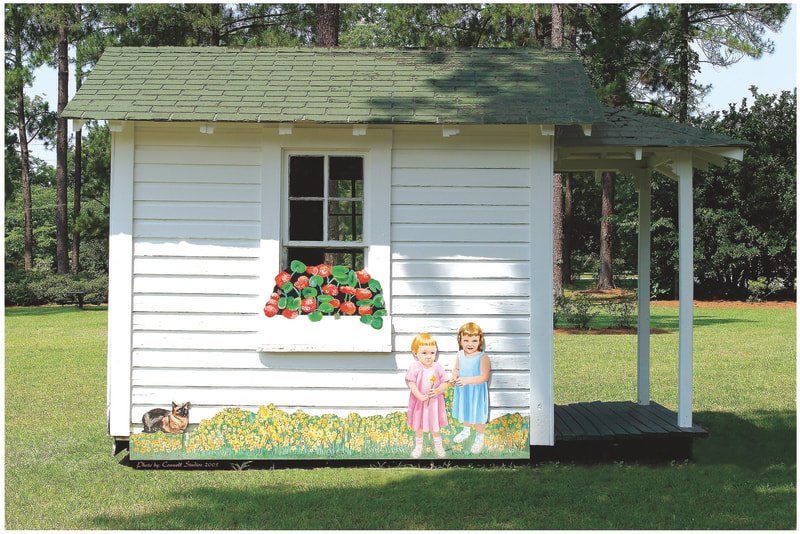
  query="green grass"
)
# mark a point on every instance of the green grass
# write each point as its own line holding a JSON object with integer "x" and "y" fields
{"x": 60, "y": 474}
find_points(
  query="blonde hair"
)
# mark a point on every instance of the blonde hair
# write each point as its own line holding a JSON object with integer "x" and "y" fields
{"x": 423, "y": 340}
{"x": 471, "y": 329}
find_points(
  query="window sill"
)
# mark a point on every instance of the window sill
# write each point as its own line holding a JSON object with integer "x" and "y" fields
{"x": 347, "y": 334}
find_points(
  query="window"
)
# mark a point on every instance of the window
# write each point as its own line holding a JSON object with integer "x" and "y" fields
{"x": 325, "y": 211}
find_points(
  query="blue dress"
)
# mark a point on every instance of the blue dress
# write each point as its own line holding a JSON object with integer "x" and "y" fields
{"x": 471, "y": 401}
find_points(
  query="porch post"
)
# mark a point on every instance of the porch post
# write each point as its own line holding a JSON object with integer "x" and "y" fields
{"x": 643, "y": 291}
{"x": 683, "y": 168}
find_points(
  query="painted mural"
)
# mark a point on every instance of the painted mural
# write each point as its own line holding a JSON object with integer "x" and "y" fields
{"x": 447, "y": 417}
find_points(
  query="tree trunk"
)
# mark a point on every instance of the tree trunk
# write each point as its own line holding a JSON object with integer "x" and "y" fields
{"x": 62, "y": 264}
{"x": 683, "y": 65}
{"x": 606, "y": 278}
{"x": 327, "y": 25}
{"x": 556, "y": 27}
{"x": 76, "y": 194}
{"x": 558, "y": 237}
{"x": 25, "y": 161}
{"x": 215, "y": 11}
{"x": 566, "y": 249}
{"x": 537, "y": 25}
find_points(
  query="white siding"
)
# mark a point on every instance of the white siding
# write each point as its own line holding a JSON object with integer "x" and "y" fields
{"x": 460, "y": 241}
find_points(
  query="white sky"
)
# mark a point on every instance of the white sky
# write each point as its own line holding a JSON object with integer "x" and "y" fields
{"x": 771, "y": 74}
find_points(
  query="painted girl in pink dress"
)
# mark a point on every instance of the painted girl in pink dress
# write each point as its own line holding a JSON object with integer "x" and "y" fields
{"x": 427, "y": 381}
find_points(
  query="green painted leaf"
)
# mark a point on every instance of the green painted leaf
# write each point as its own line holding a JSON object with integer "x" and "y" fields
{"x": 287, "y": 287}
{"x": 342, "y": 280}
{"x": 281, "y": 303}
{"x": 326, "y": 307}
{"x": 294, "y": 303}
{"x": 339, "y": 270}
{"x": 352, "y": 279}
{"x": 374, "y": 285}
{"x": 377, "y": 323}
{"x": 324, "y": 298}
{"x": 367, "y": 302}
{"x": 315, "y": 281}
{"x": 379, "y": 313}
{"x": 309, "y": 292}
{"x": 315, "y": 316}
{"x": 366, "y": 319}
{"x": 377, "y": 300}
{"x": 297, "y": 266}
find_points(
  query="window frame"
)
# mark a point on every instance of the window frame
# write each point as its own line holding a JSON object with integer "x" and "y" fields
{"x": 348, "y": 334}
{"x": 286, "y": 242}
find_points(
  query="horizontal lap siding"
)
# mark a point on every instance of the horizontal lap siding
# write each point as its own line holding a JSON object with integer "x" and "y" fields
{"x": 458, "y": 244}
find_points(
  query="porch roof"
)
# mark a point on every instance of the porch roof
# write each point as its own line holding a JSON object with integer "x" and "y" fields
{"x": 623, "y": 127}
{"x": 466, "y": 86}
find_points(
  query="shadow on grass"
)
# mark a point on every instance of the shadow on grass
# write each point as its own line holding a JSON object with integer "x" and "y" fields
{"x": 42, "y": 311}
{"x": 743, "y": 477}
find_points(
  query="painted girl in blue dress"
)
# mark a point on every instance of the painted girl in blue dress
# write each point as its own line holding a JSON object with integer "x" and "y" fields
{"x": 471, "y": 376}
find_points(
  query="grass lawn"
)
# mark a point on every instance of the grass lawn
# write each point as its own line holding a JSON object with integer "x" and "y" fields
{"x": 60, "y": 474}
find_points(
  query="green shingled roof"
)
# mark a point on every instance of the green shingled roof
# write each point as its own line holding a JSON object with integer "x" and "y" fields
{"x": 623, "y": 127}
{"x": 470, "y": 86}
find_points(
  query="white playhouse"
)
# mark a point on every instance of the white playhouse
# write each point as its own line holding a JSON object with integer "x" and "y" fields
{"x": 431, "y": 170}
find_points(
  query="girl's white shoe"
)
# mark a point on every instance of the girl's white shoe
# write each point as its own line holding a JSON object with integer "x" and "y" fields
{"x": 439, "y": 450}
{"x": 417, "y": 452}
{"x": 477, "y": 445}
{"x": 461, "y": 436}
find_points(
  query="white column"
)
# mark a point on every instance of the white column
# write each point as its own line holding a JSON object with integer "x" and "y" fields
{"x": 683, "y": 168}
{"x": 120, "y": 281}
{"x": 542, "y": 431}
{"x": 643, "y": 290}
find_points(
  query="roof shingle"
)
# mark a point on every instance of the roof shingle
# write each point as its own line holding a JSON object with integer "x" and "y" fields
{"x": 469, "y": 86}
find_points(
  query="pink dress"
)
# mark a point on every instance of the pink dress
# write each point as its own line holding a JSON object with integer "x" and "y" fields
{"x": 428, "y": 416}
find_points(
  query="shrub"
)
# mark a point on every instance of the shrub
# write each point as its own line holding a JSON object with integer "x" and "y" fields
{"x": 577, "y": 312}
{"x": 43, "y": 287}
{"x": 761, "y": 288}
{"x": 622, "y": 313}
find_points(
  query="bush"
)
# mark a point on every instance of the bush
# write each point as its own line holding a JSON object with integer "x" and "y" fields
{"x": 761, "y": 288}
{"x": 43, "y": 287}
{"x": 622, "y": 313}
{"x": 575, "y": 312}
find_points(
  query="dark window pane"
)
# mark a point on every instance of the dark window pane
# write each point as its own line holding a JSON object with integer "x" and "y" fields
{"x": 305, "y": 220}
{"x": 346, "y": 177}
{"x": 352, "y": 258}
{"x": 306, "y": 176}
{"x": 344, "y": 221}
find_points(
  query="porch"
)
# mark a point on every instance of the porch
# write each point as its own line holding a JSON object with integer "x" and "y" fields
{"x": 618, "y": 430}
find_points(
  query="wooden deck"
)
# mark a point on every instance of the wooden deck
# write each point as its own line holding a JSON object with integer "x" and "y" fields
{"x": 619, "y": 430}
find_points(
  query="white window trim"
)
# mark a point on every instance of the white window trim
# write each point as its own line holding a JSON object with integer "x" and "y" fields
{"x": 347, "y": 334}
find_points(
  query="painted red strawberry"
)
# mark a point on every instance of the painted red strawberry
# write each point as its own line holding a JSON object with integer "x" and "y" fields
{"x": 363, "y": 294}
{"x": 335, "y": 303}
{"x": 308, "y": 305}
{"x": 270, "y": 310}
{"x": 282, "y": 278}
{"x": 289, "y": 314}
{"x": 348, "y": 308}
{"x": 365, "y": 310}
{"x": 363, "y": 276}
{"x": 272, "y": 302}
{"x": 324, "y": 270}
{"x": 274, "y": 296}
{"x": 330, "y": 289}
{"x": 347, "y": 290}
{"x": 312, "y": 270}
{"x": 301, "y": 283}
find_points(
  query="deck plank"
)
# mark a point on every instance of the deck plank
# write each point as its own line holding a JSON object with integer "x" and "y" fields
{"x": 598, "y": 422}
{"x": 673, "y": 417}
{"x": 589, "y": 426}
{"x": 621, "y": 422}
{"x": 626, "y": 417}
{"x": 596, "y": 409}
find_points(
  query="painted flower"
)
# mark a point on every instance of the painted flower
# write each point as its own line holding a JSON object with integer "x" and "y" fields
{"x": 270, "y": 310}
{"x": 363, "y": 277}
{"x": 335, "y": 303}
{"x": 330, "y": 289}
{"x": 364, "y": 310}
{"x": 282, "y": 278}
{"x": 348, "y": 290}
{"x": 363, "y": 294}
{"x": 348, "y": 308}
{"x": 308, "y": 305}
{"x": 312, "y": 270}
{"x": 289, "y": 314}
{"x": 324, "y": 270}
{"x": 301, "y": 283}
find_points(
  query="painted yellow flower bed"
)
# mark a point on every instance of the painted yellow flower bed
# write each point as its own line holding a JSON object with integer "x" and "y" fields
{"x": 272, "y": 433}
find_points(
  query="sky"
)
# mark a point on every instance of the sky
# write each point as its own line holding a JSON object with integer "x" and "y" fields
{"x": 771, "y": 73}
